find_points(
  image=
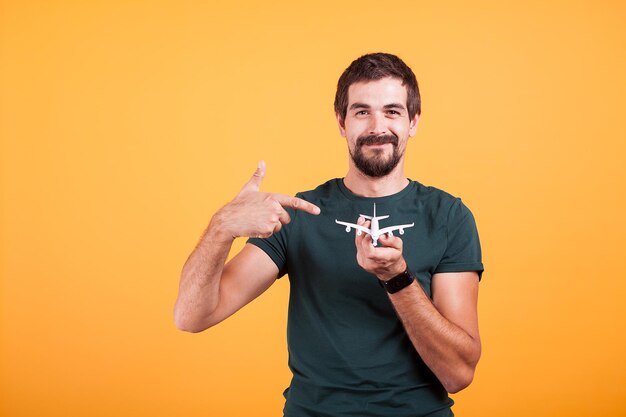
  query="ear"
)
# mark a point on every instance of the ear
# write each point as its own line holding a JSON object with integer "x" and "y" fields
{"x": 342, "y": 126}
{"x": 413, "y": 125}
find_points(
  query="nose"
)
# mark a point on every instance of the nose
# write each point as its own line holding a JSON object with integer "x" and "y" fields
{"x": 378, "y": 125}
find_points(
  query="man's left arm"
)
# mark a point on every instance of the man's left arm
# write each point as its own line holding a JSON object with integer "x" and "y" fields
{"x": 444, "y": 330}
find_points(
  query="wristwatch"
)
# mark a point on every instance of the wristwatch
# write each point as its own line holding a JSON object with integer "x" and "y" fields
{"x": 400, "y": 281}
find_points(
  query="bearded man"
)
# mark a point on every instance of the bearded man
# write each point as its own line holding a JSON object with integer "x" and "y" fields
{"x": 377, "y": 325}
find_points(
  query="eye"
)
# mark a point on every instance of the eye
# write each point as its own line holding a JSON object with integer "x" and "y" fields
{"x": 361, "y": 113}
{"x": 393, "y": 112}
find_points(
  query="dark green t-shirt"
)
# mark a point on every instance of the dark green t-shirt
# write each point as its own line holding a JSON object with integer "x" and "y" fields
{"x": 348, "y": 351}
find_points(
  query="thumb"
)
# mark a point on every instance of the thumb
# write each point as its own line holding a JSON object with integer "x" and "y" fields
{"x": 254, "y": 184}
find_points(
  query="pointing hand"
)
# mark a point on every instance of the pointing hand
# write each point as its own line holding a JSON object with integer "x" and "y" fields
{"x": 253, "y": 213}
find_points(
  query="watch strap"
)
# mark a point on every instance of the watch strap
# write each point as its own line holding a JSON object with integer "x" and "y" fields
{"x": 399, "y": 282}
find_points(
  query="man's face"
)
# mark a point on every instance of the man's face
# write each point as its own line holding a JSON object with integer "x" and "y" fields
{"x": 377, "y": 125}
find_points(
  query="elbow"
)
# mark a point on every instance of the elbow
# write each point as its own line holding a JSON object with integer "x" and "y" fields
{"x": 458, "y": 384}
{"x": 186, "y": 324}
{"x": 188, "y": 327}
{"x": 460, "y": 381}
{"x": 463, "y": 374}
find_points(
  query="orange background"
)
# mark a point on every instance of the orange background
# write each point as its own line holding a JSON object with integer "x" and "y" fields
{"x": 125, "y": 125}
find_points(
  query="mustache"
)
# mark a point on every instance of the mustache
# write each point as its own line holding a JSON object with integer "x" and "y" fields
{"x": 377, "y": 140}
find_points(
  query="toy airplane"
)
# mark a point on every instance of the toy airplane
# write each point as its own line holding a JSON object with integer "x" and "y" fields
{"x": 374, "y": 231}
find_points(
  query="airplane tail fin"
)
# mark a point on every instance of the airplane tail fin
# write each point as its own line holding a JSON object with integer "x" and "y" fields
{"x": 374, "y": 216}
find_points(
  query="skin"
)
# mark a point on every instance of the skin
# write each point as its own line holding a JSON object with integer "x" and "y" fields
{"x": 444, "y": 330}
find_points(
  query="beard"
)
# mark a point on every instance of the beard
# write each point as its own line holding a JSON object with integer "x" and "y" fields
{"x": 378, "y": 165}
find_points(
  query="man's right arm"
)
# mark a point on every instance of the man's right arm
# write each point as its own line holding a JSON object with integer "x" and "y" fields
{"x": 210, "y": 291}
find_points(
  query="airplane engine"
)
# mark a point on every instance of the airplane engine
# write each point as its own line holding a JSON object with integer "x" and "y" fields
{"x": 401, "y": 231}
{"x": 348, "y": 229}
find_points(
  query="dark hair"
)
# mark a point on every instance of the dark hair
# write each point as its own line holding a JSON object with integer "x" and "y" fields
{"x": 373, "y": 67}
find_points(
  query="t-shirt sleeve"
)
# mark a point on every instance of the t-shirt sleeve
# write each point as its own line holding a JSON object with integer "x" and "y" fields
{"x": 462, "y": 251}
{"x": 275, "y": 246}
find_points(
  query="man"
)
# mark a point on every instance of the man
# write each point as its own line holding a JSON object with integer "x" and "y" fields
{"x": 384, "y": 330}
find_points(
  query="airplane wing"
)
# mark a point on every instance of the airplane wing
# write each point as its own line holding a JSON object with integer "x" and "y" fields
{"x": 354, "y": 226}
{"x": 398, "y": 227}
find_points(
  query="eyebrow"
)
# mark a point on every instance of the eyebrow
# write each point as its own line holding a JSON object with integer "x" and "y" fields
{"x": 394, "y": 106}
{"x": 358, "y": 105}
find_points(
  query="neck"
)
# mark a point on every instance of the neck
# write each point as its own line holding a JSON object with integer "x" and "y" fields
{"x": 364, "y": 186}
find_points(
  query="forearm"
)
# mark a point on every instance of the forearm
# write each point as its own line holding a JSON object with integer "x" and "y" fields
{"x": 448, "y": 350}
{"x": 198, "y": 294}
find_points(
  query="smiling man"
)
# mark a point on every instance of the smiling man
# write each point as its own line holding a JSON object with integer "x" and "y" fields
{"x": 385, "y": 330}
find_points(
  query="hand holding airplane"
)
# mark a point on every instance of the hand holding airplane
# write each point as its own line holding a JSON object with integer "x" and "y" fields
{"x": 374, "y": 230}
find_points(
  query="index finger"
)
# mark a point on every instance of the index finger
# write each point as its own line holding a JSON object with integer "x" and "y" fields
{"x": 360, "y": 238}
{"x": 390, "y": 241}
{"x": 296, "y": 203}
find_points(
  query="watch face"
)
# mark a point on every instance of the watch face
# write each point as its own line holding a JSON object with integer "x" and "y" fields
{"x": 399, "y": 282}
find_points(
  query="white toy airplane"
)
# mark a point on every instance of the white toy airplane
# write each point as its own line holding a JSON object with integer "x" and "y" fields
{"x": 374, "y": 231}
